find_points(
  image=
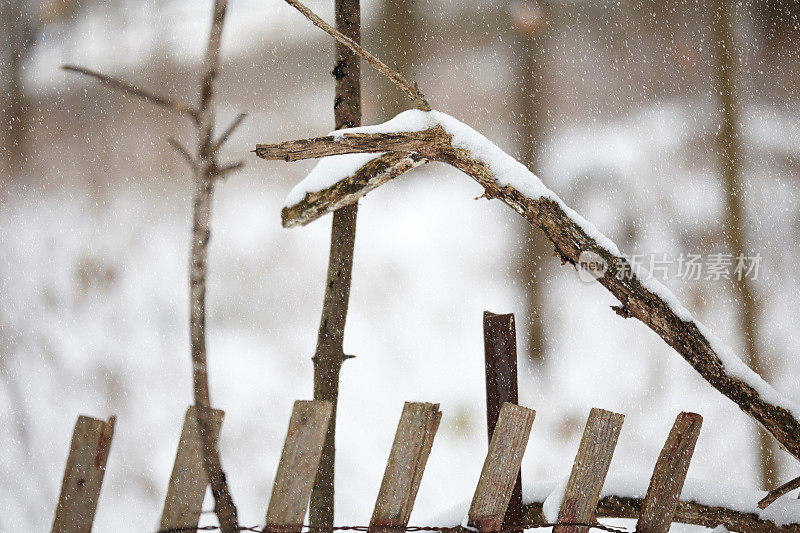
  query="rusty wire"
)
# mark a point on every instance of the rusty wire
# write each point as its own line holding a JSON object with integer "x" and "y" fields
{"x": 365, "y": 529}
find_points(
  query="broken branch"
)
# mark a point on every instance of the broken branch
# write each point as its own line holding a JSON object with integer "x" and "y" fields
{"x": 369, "y": 177}
{"x": 423, "y": 142}
{"x": 569, "y": 235}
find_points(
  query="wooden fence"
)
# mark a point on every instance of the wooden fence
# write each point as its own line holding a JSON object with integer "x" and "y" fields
{"x": 496, "y": 503}
{"x": 407, "y": 460}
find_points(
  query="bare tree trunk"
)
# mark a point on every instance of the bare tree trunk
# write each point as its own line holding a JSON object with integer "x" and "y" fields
{"x": 17, "y": 112}
{"x": 329, "y": 354}
{"x": 530, "y": 24}
{"x": 17, "y": 26}
{"x": 206, "y": 171}
{"x": 730, "y": 158}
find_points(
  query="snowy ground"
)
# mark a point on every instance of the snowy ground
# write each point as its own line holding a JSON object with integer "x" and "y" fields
{"x": 93, "y": 314}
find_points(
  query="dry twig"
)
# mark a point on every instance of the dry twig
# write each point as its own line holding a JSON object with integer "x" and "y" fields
{"x": 183, "y": 152}
{"x": 127, "y": 88}
{"x": 206, "y": 170}
{"x": 229, "y": 131}
{"x": 774, "y": 494}
{"x": 411, "y": 90}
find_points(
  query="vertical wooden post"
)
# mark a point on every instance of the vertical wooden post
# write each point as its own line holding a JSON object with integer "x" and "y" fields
{"x": 329, "y": 354}
{"x": 412, "y": 446}
{"x": 83, "y": 475}
{"x": 187, "y": 484}
{"x": 298, "y": 466}
{"x": 501, "y": 467}
{"x": 589, "y": 471}
{"x": 669, "y": 474}
{"x": 500, "y": 350}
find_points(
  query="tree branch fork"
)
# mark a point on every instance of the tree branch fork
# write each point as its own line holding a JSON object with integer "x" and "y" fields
{"x": 176, "y": 106}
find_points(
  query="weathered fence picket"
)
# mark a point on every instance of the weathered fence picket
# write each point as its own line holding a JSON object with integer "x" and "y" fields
{"x": 408, "y": 458}
{"x": 410, "y": 450}
{"x": 188, "y": 482}
{"x": 83, "y": 475}
{"x": 501, "y": 467}
{"x": 589, "y": 471}
{"x": 298, "y": 466}
{"x": 500, "y": 354}
{"x": 669, "y": 474}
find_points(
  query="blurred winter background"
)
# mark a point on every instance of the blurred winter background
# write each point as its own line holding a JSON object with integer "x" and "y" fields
{"x": 613, "y": 103}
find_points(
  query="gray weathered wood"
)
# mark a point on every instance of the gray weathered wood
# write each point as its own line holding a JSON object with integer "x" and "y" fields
{"x": 187, "y": 484}
{"x": 83, "y": 476}
{"x": 412, "y": 446}
{"x": 501, "y": 467}
{"x": 298, "y": 466}
{"x": 669, "y": 475}
{"x": 589, "y": 471}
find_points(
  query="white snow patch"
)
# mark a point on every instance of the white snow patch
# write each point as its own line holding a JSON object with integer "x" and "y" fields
{"x": 552, "y": 502}
{"x": 327, "y": 172}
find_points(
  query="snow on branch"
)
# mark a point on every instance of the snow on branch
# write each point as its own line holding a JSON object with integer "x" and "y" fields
{"x": 436, "y": 136}
{"x": 352, "y": 175}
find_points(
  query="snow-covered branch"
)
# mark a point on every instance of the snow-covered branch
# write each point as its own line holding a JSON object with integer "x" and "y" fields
{"x": 436, "y": 136}
{"x": 360, "y": 173}
{"x": 350, "y": 141}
